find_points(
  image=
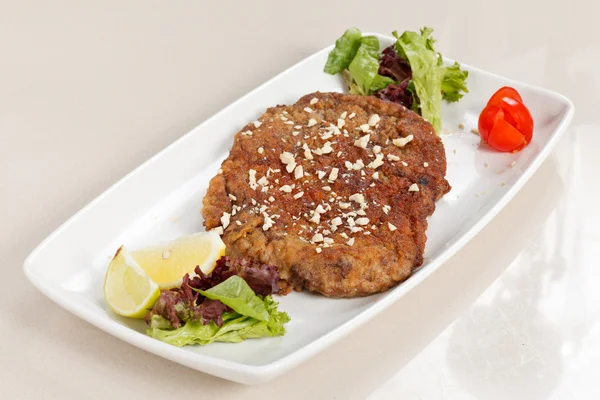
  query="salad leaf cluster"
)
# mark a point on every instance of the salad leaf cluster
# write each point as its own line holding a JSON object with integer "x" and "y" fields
{"x": 410, "y": 72}
{"x": 221, "y": 307}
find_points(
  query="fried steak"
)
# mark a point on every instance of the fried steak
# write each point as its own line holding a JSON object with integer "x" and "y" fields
{"x": 334, "y": 190}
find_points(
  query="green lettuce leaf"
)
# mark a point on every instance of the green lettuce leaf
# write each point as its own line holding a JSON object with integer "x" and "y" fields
{"x": 353, "y": 87}
{"x": 235, "y": 328}
{"x": 454, "y": 85}
{"x": 236, "y": 294}
{"x": 344, "y": 51}
{"x": 365, "y": 65}
{"x": 427, "y": 73}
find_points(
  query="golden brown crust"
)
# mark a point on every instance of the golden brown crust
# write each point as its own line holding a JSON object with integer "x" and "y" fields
{"x": 377, "y": 260}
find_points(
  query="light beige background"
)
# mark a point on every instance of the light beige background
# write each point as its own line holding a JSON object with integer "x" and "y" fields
{"x": 89, "y": 90}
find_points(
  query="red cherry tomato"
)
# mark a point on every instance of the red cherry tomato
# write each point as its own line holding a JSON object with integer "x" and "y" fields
{"x": 504, "y": 137}
{"x": 505, "y": 91}
{"x": 516, "y": 114}
{"x": 487, "y": 119}
{"x": 506, "y": 123}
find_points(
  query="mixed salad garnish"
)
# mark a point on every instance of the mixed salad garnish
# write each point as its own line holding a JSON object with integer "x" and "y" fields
{"x": 217, "y": 300}
{"x": 230, "y": 304}
{"x": 410, "y": 72}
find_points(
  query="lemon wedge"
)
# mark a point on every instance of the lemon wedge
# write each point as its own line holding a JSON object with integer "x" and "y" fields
{"x": 167, "y": 263}
{"x": 128, "y": 290}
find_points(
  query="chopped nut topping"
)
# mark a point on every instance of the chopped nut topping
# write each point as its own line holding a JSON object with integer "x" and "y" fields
{"x": 344, "y": 206}
{"x": 321, "y": 174}
{"x": 257, "y": 124}
{"x": 314, "y": 101}
{"x": 308, "y": 109}
{"x": 238, "y": 223}
{"x": 311, "y": 122}
{"x": 340, "y": 123}
{"x": 377, "y": 162}
{"x": 326, "y": 149}
{"x": 393, "y": 157}
{"x": 326, "y": 188}
{"x": 232, "y": 197}
{"x": 376, "y": 149}
{"x": 267, "y": 223}
{"x": 362, "y": 221}
{"x": 252, "y": 179}
{"x": 357, "y": 198}
{"x": 220, "y": 171}
{"x": 298, "y": 172}
{"x": 349, "y": 165}
{"x": 295, "y": 133}
{"x": 376, "y": 175}
{"x": 327, "y": 135}
{"x": 260, "y": 150}
{"x": 286, "y": 157}
{"x": 355, "y": 229}
{"x": 271, "y": 199}
{"x": 316, "y": 218}
{"x": 290, "y": 167}
{"x": 289, "y": 122}
{"x": 404, "y": 163}
{"x": 298, "y": 127}
{"x": 247, "y": 133}
{"x": 298, "y": 195}
{"x": 352, "y": 115}
{"x": 317, "y": 238}
{"x": 328, "y": 240}
{"x": 318, "y": 250}
{"x": 363, "y": 141}
{"x": 374, "y": 119}
{"x": 413, "y": 188}
{"x": 386, "y": 209}
{"x": 337, "y": 221}
{"x": 307, "y": 154}
{"x": 334, "y": 174}
{"x": 350, "y": 242}
{"x": 263, "y": 181}
{"x": 225, "y": 218}
{"x": 392, "y": 227}
{"x": 365, "y": 127}
{"x": 401, "y": 142}
{"x": 343, "y": 115}
{"x": 286, "y": 189}
{"x": 218, "y": 229}
{"x": 361, "y": 212}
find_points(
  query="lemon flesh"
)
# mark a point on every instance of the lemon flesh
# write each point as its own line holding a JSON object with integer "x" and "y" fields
{"x": 167, "y": 263}
{"x": 128, "y": 290}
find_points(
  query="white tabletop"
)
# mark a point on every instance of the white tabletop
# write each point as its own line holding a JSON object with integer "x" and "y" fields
{"x": 89, "y": 91}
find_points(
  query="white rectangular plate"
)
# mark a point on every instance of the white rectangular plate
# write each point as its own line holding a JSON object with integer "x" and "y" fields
{"x": 162, "y": 198}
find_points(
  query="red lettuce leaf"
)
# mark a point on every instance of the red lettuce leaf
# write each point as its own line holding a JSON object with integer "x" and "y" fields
{"x": 184, "y": 304}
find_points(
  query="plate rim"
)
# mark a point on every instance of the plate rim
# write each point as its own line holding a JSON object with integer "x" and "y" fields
{"x": 256, "y": 374}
